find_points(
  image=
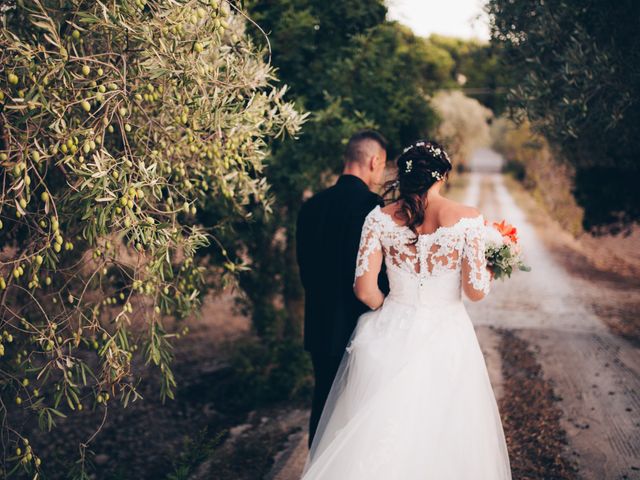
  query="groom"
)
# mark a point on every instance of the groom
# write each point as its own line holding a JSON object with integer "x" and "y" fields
{"x": 328, "y": 237}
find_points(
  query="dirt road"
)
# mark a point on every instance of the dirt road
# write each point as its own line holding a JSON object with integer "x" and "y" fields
{"x": 595, "y": 373}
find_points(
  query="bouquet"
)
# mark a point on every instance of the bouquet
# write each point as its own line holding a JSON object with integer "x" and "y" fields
{"x": 502, "y": 250}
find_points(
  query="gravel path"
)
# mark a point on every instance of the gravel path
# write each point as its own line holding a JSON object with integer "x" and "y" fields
{"x": 595, "y": 374}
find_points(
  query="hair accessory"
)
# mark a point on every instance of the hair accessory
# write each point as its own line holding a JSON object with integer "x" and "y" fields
{"x": 430, "y": 148}
{"x": 436, "y": 175}
{"x": 408, "y": 166}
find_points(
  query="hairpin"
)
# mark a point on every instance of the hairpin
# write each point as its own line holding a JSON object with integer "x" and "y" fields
{"x": 408, "y": 166}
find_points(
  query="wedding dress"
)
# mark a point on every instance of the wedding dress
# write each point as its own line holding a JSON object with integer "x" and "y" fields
{"x": 412, "y": 398}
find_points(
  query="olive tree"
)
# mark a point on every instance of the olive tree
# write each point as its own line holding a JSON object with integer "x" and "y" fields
{"x": 574, "y": 68}
{"x": 118, "y": 120}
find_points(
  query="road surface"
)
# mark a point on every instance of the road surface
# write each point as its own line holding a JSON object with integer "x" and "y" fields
{"x": 595, "y": 373}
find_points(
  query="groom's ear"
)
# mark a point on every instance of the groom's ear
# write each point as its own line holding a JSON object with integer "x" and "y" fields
{"x": 373, "y": 162}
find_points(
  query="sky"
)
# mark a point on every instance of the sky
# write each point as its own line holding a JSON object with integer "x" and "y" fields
{"x": 455, "y": 18}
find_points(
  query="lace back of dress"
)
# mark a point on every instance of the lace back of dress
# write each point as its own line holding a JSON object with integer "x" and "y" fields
{"x": 428, "y": 254}
{"x": 431, "y": 254}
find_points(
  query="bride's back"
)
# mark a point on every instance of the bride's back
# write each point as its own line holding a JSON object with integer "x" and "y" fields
{"x": 427, "y": 242}
{"x": 428, "y": 266}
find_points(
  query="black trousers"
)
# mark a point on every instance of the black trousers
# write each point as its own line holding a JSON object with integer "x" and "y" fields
{"x": 324, "y": 371}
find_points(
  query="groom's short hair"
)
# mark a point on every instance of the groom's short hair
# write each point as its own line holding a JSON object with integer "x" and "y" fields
{"x": 355, "y": 151}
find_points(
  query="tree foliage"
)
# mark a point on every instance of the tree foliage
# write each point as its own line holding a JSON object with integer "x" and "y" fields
{"x": 575, "y": 71}
{"x": 475, "y": 66}
{"x": 118, "y": 121}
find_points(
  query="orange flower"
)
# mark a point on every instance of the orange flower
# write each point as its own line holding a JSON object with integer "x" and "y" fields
{"x": 507, "y": 230}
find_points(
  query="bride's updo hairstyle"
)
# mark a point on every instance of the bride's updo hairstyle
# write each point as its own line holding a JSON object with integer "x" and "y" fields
{"x": 420, "y": 166}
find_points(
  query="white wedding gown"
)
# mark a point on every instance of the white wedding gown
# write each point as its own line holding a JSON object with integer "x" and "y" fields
{"x": 412, "y": 398}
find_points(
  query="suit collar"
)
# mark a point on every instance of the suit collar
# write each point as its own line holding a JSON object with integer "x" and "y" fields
{"x": 352, "y": 180}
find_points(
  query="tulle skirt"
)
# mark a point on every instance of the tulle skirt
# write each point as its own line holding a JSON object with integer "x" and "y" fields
{"x": 411, "y": 400}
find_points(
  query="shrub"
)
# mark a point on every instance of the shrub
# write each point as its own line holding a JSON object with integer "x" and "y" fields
{"x": 530, "y": 159}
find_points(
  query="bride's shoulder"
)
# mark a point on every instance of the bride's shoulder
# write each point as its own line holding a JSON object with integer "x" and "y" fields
{"x": 391, "y": 208}
{"x": 454, "y": 212}
{"x": 376, "y": 216}
{"x": 390, "y": 212}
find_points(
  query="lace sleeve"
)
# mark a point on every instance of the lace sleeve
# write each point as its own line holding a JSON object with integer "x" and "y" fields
{"x": 370, "y": 246}
{"x": 477, "y": 276}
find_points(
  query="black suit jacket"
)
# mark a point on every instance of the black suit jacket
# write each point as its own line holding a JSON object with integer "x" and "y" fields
{"x": 328, "y": 237}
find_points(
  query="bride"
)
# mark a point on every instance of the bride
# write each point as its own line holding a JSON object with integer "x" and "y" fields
{"x": 412, "y": 398}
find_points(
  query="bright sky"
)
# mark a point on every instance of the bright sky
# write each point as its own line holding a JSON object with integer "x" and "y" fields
{"x": 456, "y": 18}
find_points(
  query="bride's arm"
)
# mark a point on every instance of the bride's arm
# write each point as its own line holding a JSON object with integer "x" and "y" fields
{"x": 476, "y": 279}
{"x": 368, "y": 264}
{"x": 366, "y": 285}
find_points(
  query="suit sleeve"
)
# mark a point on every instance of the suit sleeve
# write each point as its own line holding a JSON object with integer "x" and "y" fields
{"x": 301, "y": 243}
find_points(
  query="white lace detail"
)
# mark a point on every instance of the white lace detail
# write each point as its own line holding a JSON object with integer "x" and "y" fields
{"x": 434, "y": 254}
{"x": 369, "y": 242}
{"x": 474, "y": 254}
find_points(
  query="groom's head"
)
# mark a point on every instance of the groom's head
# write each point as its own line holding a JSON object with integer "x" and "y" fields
{"x": 366, "y": 156}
